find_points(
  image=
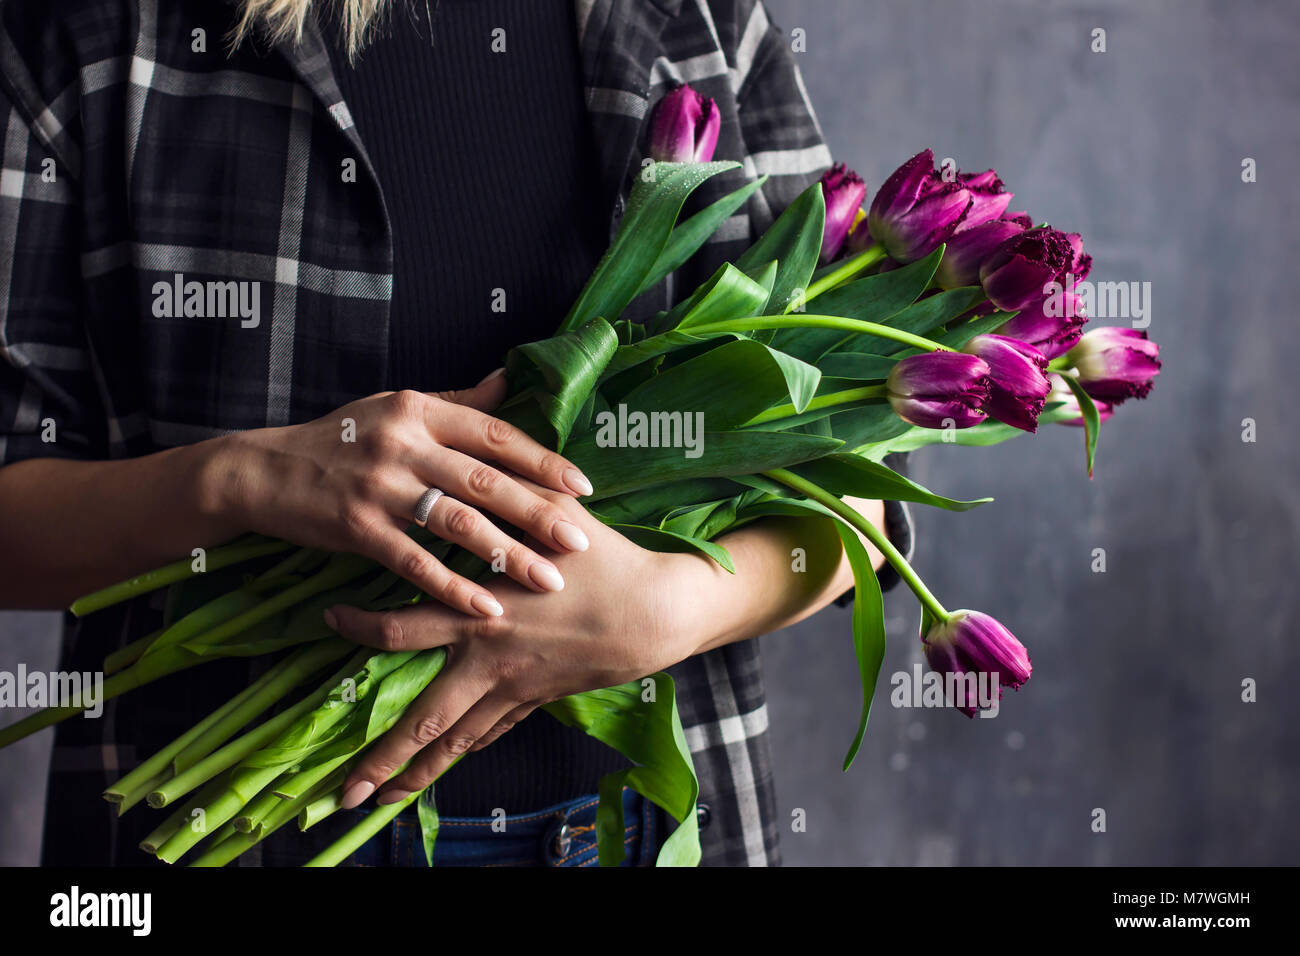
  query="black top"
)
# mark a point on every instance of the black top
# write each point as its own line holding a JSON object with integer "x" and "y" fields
{"x": 481, "y": 146}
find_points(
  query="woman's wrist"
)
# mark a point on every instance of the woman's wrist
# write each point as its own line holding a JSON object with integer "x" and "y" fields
{"x": 224, "y": 489}
{"x": 786, "y": 569}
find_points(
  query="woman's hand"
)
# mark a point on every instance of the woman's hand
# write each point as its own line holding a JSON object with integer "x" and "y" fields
{"x": 621, "y": 617}
{"x": 350, "y": 482}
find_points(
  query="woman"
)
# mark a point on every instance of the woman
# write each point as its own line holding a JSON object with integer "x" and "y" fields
{"x": 367, "y": 226}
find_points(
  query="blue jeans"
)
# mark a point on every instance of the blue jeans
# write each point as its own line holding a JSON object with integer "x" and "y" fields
{"x": 559, "y": 835}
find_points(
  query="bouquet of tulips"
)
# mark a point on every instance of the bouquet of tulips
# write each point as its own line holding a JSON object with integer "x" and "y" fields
{"x": 775, "y": 388}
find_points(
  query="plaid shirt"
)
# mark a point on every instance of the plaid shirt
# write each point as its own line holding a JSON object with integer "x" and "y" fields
{"x": 131, "y": 155}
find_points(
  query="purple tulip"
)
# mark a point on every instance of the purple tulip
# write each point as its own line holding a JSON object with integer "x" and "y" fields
{"x": 989, "y": 198}
{"x": 970, "y": 248}
{"x": 916, "y": 210}
{"x": 684, "y": 127}
{"x": 1052, "y": 325}
{"x": 971, "y": 642}
{"x": 1061, "y": 393}
{"x": 1021, "y": 271}
{"x": 1018, "y": 382}
{"x": 1116, "y": 364}
{"x": 939, "y": 389}
{"x": 844, "y": 191}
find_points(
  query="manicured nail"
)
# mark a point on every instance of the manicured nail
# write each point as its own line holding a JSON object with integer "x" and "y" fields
{"x": 392, "y": 796}
{"x": 545, "y": 576}
{"x": 486, "y": 604}
{"x": 577, "y": 482}
{"x": 490, "y": 376}
{"x": 331, "y": 619}
{"x": 354, "y": 794}
{"x": 570, "y": 536}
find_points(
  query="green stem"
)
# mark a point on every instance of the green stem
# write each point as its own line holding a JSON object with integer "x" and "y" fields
{"x": 235, "y": 843}
{"x": 172, "y": 825}
{"x": 368, "y": 826}
{"x": 848, "y": 269}
{"x": 126, "y": 799}
{"x": 871, "y": 532}
{"x": 217, "y": 559}
{"x": 821, "y": 401}
{"x": 799, "y": 320}
{"x": 268, "y": 689}
{"x": 124, "y": 657}
{"x": 161, "y": 761}
{"x": 241, "y": 747}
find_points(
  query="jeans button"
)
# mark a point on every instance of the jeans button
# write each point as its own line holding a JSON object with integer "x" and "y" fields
{"x": 563, "y": 840}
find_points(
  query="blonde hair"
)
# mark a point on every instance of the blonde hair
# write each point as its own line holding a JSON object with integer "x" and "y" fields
{"x": 279, "y": 20}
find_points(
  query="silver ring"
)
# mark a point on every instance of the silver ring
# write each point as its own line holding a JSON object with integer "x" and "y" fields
{"x": 425, "y": 505}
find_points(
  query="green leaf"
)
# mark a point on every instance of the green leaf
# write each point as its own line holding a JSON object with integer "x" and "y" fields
{"x": 649, "y": 733}
{"x": 870, "y": 423}
{"x": 728, "y": 294}
{"x": 729, "y": 384}
{"x": 794, "y": 240}
{"x": 650, "y": 504}
{"x": 657, "y": 539}
{"x": 860, "y": 366}
{"x": 428, "y": 813}
{"x": 652, "y": 347}
{"x": 872, "y": 299}
{"x": 721, "y": 454}
{"x": 859, "y": 477}
{"x": 957, "y": 337}
{"x": 1091, "y": 419}
{"x": 651, "y": 213}
{"x": 983, "y": 434}
{"x": 921, "y": 317}
{"x": 686, "y": 239}
{"x": 558, "y": 374}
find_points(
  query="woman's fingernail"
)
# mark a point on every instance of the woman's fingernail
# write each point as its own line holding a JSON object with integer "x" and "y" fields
{"x": 331, "y": 619}
{"x": 577, "y": 482}
{"x": 486, "y": 604}
{"x": 545, "y": 576}
{"x": 392, "y": 796}
{"x": 570, "y": 536}
{"x": 490, "y": 376}
{"x": 354, "y": 794}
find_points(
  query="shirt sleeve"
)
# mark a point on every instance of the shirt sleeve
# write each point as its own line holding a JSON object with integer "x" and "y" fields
{"x": 48, "y": 397}
{"x": 784, "y": 141}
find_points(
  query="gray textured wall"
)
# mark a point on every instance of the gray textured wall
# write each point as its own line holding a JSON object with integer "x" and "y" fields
{"x": 1135, "y": 703}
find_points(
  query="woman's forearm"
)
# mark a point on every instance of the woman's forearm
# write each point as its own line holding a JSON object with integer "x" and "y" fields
{"x": 71, "y": 527}
{"x": 786, "y": 570}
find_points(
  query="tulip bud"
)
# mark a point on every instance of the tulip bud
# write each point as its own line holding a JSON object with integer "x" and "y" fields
{"x": 684, "y": 127}
{"x": 844, "y": 192}
{"x": 971, "y": 642}
{"x": 1061, "y": 393}
{"x": 916, "y": 210}
{"x": 939, "y": 389}
{"x": 989, "y": 198}
{"x": 1018, "y": 383}
{"x": 969, "y": 249}
{"x": 1023, "y": 269}
{"x": 1052, "y": 325}
{"x": 1115, "y": 364}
